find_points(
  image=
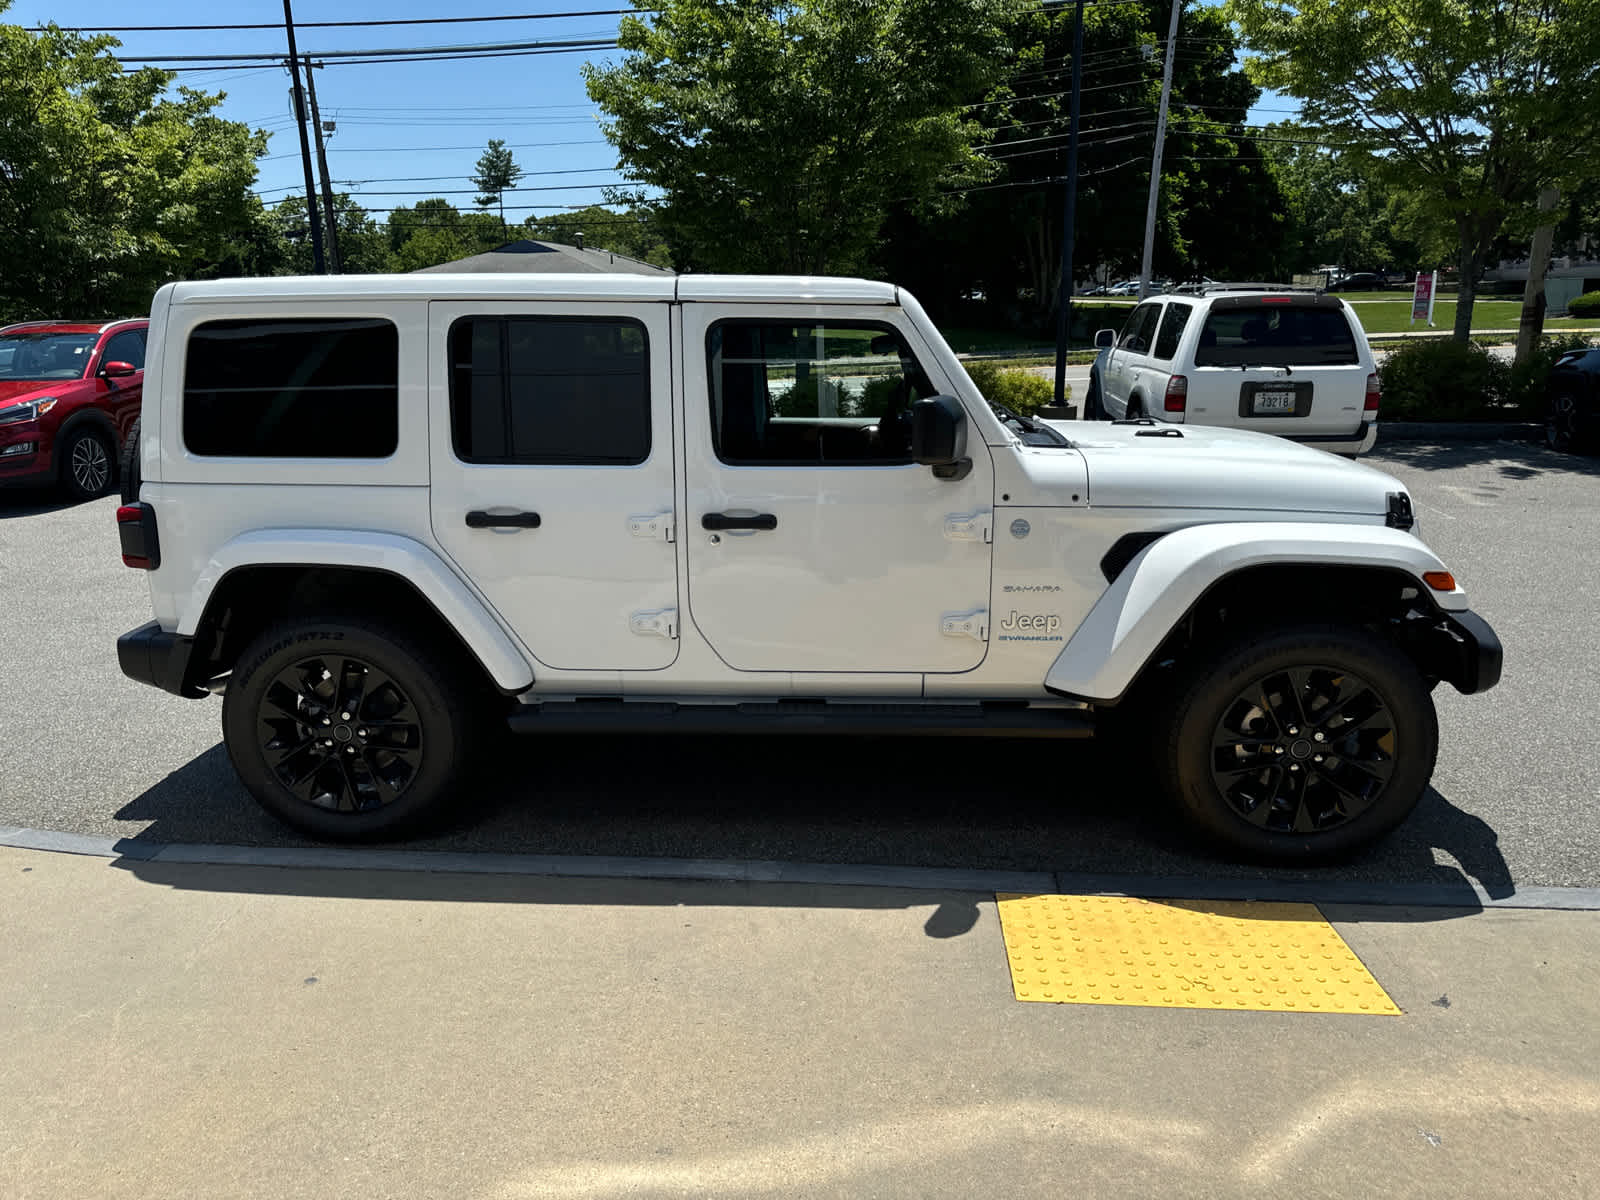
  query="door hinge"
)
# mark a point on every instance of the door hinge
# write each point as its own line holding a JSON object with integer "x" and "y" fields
{"x": 657, "y": 527}
{"x": 974, "y": 624}
{"x": 658, "y": 622}
{"x": 970, "y": 527}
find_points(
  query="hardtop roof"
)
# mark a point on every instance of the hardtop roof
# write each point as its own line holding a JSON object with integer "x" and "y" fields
{"x": 775, "y": 289}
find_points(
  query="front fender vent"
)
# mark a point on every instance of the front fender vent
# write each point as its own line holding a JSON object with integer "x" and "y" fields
{"x": 1125, "y": 549}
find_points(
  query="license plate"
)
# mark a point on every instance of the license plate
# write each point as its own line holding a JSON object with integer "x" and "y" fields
{"x": 1274, "y": 402}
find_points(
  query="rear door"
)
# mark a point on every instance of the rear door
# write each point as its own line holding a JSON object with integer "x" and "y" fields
{"x": 1294, "y": 365}
{"x": 550, "y": 442}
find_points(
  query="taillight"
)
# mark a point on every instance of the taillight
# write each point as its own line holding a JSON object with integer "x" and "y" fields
{"x": 1177, "y": 396}
{"x": 136, "y": 527}
{"x": 1374, "y": 393}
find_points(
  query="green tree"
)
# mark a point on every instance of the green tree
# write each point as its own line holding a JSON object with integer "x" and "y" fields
{"x": 434, "y": 231}
{"x": 1335, "y": 213}
{"x": 109, "y": 187}
{"x": 1469, "y": 108}
{"x": 780, "y": 134}
{"x": 363, "y": 242}
{"x": 497, "y": 171}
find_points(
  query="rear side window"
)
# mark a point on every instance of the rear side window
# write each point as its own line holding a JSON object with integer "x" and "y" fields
{"x": 298, "y": 387}
{"x": 1275, "y": 335}
{"x": 1172, "y": 323}
{"x": 550, "y": 390}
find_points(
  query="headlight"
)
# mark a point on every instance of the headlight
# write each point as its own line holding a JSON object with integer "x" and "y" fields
{"x": 28, "y": 410}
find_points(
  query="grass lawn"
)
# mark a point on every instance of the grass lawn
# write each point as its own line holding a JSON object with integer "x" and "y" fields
{"x": 1395, "y": 317}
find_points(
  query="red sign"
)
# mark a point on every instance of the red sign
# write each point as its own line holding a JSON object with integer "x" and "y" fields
{"x": 1422, "y": 299}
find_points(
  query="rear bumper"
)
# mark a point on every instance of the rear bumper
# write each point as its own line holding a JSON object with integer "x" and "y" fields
{"x": 1351, "y": 444}
{"x": 155, "y": 656}
{"x": 1460, "y": 647}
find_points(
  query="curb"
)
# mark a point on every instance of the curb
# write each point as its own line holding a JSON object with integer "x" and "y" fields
{"x": 1459, "y": 431}
{"x": 1462, "y": 894}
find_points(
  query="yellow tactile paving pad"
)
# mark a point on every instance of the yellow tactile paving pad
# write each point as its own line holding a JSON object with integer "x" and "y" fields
{"x": 1183, "y": 954}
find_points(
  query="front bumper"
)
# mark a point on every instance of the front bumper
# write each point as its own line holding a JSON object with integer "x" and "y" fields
{"x": 1459, "y": 647}
{"x": 152, "y": 655}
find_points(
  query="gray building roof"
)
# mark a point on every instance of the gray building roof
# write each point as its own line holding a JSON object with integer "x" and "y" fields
{"x": 548, "y": 258}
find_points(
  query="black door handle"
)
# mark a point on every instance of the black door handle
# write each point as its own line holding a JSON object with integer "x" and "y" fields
{"x": 724, "y": 521}
{"x": 479, "y": 519}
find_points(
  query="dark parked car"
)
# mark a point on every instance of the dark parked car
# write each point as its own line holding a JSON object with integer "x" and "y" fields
{"x": 69, "y": 394}
{"x": 1362, "y": 281}
{"x": 1572, "y": 420}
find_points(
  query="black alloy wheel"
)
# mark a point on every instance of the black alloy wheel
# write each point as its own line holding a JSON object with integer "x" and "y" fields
{"x": 1296, "y": 743}
{"x": 348, "y": 729}
{"x": 1304, "y": 750}
{"x": 340, "y": 734}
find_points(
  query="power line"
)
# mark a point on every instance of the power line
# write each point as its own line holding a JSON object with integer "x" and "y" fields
{"x": 429, "y": 149}
{"x": 556, "y": 187}
{"x": 393, "y": 51}
{"x": 598, "y": 12}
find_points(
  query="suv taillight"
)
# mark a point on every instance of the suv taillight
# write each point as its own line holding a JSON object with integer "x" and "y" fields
{"x": 136, "y": 526}
{"x": 1374, "y": 393}
{"x": 1177, "y": 396}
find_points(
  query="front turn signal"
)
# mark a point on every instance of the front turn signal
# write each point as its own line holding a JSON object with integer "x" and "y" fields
{"x": 1439, "y": 581}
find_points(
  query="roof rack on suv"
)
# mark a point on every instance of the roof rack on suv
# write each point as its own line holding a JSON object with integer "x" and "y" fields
{"x": 1210, "y": 289}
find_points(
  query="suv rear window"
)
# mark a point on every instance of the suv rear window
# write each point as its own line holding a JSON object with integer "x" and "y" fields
{"x": 1275, "y": 335}
{"x": 297, "y": 387}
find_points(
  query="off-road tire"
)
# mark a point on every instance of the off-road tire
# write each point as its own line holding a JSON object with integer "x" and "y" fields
{"x": 1190, "y": 758}
{"x": 128, "y": 468}
{"x": 441, "y": 716}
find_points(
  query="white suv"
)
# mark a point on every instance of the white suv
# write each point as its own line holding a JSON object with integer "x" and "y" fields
{"x": 1295, "y": 364}
{"x": 386, "y": 516}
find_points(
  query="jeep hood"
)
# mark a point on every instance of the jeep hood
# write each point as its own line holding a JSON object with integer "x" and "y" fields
{"x": 1201, "y": 466}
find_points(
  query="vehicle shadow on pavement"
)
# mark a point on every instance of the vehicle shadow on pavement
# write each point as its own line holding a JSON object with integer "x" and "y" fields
{"x": 33, "y": 502}
{"x": 1516, "y": 460}
{"x": 890, "y": 802}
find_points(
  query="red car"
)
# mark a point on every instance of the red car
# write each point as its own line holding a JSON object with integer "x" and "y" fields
{"x": 69, "y": 394}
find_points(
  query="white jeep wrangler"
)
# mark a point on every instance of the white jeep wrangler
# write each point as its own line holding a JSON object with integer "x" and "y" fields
{"x": 383, "y": 516}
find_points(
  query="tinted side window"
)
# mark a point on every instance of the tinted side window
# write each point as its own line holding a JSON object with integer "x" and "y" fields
{"x": 1172, "y": 323}
{"x": 1140, "y": 330}
{"x": 811, "y": 393}
{"x": 297, "y": 387}
{"x": 549, "y": 390}
{"x": 127, "y": 347}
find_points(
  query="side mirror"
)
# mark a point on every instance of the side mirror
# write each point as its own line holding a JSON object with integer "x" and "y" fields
{"x": 939, "y": 436}
{"x": 116, "y": 370}
{"x": 1105, "y": 339}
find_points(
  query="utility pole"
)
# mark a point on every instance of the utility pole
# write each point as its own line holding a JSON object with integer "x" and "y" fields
{"x": 1155, "y": 162}
{"x": 1531, "y": 326}
{"x": 315, "y": 224}
{"x": 322, "y": 164}
{"x": 1070, "y": 216}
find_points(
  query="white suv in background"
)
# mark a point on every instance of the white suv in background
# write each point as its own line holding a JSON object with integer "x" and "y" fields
{"x": 1292, "y": 363}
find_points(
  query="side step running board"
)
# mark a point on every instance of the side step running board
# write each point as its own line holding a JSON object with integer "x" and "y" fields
{"x": 784, "y": 716}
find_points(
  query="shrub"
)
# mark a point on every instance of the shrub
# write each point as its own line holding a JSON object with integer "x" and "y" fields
{"x": 1440, "y": 380}
{"x": 1020, "y": 391}
{"x": 1526, "y": 387}
{"x": 1586, "y": 305}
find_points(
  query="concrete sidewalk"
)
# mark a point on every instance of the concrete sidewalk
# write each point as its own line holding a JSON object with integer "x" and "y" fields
{"x": 180, "y": 1030}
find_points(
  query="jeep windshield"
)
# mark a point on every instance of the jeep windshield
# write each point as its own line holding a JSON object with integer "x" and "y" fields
{"x": 1275, "y": 333}
{"x": 45, "y": 355}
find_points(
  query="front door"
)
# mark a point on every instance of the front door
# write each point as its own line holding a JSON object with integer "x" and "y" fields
{"x": 814, "y": 542}
{"x": 550, "y": 434}
{"x": 122, "y": 395}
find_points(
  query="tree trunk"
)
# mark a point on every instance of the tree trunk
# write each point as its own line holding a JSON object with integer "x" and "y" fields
{"x": 1469, "y": 258}
{"x": 1531, "y": 328}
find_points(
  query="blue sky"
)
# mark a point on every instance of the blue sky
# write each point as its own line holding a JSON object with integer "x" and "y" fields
{"x": 408, "y": 130}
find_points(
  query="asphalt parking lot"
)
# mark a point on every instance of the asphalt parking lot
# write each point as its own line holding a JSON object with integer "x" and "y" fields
{"x": 1514, "y": 801}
